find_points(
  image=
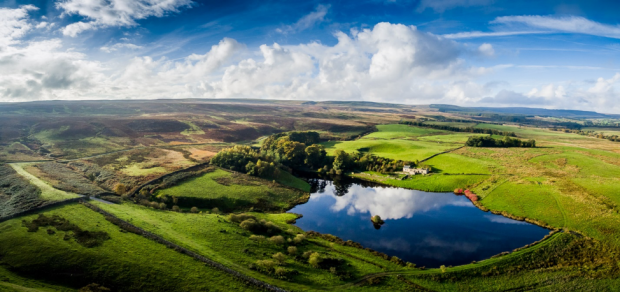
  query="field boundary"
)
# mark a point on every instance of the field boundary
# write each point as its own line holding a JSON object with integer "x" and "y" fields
{"x": 437, "y": 154}
{"x": 124, "y": 224}
{"x": 40, "y": 208}
{"x": 191, "y": 168}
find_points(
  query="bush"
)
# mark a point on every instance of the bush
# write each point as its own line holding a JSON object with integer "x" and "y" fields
{"x": 315, "y": 260}
{"x": 257, "y": 238}
{"x": 238, "y": 218}
{"x": 194, "y": 210}
{"x": 299, "y": 238}
{"x": 278, "y": 239}
{"x": 93, "y": 288}
{"x": 307, "y": 254}
{"x": 259, "y": 226}
{"x": 120, "y": 189}
{"x": 280, "y": 257}
{"x": 176, "y": 208}
{"x": 292, "y": 250}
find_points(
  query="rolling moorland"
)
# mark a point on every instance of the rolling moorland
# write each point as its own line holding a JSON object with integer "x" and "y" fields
{"x": 146, "y": 195}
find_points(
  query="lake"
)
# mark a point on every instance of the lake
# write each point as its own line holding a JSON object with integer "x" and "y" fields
{"x": 428, "y": 229}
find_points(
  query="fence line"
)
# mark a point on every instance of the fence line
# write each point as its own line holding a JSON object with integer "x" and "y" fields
{"x": 130, "y": 227}
{"x": 40, "y": 208}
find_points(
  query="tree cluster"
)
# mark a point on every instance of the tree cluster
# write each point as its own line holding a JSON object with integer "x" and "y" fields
{"x": 488, "y": 141}
{"x": 459, "y": 129}
{"x": 344, "y": 162}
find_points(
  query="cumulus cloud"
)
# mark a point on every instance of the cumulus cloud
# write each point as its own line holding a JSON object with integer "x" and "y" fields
{"x": 443, "y": 5}
{"x": 486, "y": 50}
{"x": 570, "y": 24}
{"x": 390, "y": 203}
{"x": 101, "y": 14}
{"x": 307, "y": 21}
{"x": 14, "y": 24}
{"x": 387, "y": 62}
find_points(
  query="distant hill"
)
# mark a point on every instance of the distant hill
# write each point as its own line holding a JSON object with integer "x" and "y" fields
{"x": 557, "y": 113}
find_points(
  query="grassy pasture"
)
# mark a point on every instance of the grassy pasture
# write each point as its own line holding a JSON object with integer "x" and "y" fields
{"x": 397, "y": 131}
{"x": 458, "y": 164}
{"x": 125, "y": 262}
{"x": 429, "y": 183}
{"x": 456, "y": 138}
{"x": 217, "y": 238}
{"x": 407, "y": 150}
{"x": 452, "y": 124}
{"x": 232, "y": 191}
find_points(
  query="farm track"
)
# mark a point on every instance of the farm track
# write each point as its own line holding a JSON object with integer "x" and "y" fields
{"x": 47, "y": 191}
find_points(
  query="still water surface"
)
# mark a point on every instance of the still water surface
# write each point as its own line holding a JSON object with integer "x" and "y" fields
{"x": 428, "y": 229}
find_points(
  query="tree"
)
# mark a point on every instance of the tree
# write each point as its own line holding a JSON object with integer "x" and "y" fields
{"x": 315, "y": 156}
{"x": 342, "y": 162}
{"x": 315, "y": 260}
{"x": 120, "y": 189}
{"x": 292, "y": 250}
{"x": 235, "y": 158}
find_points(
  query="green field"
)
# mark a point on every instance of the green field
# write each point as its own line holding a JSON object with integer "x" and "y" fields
{"x": 125, "y": 262}
{"x": 396, "y": 142}
{"x": 230, "y": 191}
{"x": 217, "y": 238}
{"x": 458, "y": 164}
{"x": 397, "y": 131}
{"x": 457, "y": 138}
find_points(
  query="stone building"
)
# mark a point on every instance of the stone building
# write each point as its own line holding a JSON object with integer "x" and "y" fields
{"x": 413, "y": 171}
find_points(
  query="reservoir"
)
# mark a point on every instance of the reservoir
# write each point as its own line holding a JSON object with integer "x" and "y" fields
{"x": 428, "y": 229}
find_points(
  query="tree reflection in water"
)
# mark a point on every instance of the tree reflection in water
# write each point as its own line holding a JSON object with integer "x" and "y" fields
{"x": 428, "y": 229}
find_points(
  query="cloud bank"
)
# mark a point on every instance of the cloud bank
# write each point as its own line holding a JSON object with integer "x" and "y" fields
{"x": 385, "y": 63}
{"x": 102, "y": 14}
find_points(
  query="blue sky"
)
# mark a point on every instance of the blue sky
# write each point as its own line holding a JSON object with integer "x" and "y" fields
{"x": 552, "y": 54}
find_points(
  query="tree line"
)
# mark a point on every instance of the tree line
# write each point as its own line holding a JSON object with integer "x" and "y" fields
{"x": 459, "y": 129}
{"x": 299, "y": 150}
{"x": 590, "y": 133}
{"x": 488, "y": 141}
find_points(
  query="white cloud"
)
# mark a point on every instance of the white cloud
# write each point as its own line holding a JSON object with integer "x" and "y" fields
{"x": 101, "y": 14}
{"x": 550, "y": 91}
{"x": 391, "y": 203}
{"x": 569, "y": 24}
{"x": 388, "y": 62}
{"x": 120, "y": 46}
{"x": 486, "y": 50}
{"x": 14, "y": 24}
{"x": 479, "y": 34}
{"x": 307, "y": 21}
{"x": 443, "y": 5}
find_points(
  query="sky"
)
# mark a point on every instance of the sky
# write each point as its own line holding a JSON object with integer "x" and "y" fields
{"x": 546, "y": 53}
